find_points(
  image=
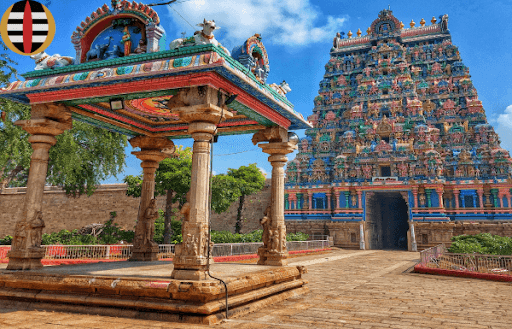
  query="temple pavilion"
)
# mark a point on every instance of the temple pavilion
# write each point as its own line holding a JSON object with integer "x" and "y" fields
{"x": 125, "y": 79}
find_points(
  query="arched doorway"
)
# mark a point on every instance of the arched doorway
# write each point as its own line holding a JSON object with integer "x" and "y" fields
{"x": 387, "y": 223}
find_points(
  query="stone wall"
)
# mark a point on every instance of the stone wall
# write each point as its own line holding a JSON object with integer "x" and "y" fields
{"x": 63, "y": 212}
{"x": 346, "y": 234}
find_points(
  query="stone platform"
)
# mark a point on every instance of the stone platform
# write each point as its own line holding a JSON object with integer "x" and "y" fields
{"x": 144, "y": 290}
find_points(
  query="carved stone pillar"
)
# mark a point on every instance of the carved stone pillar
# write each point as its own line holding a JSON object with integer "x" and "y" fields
{"x": 362, "y": 244}
{"x": 310, "y": 200}
{"x": 195, "y": 106}
{"x": 329, "y": 201}
{"x": 26, "y": 252}
{"x": 338, "y": 200}
{"x": 480, "y": 192}
{"x": 144, "y": 248}
{"x": 360, "y": 198}
{"x": 456, "y": 197}
{"x": 275, "y": 251}
{"x": 439, "y": 192}
{"x": 414, "y": 246}
{"x": 415, "y": 196}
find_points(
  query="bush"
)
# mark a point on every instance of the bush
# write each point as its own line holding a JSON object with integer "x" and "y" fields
{"x": 299, "y": 236}
{"x": 159, "y": 229}
{"x": 483, "y": 243}
{"x": 6, "y": 241}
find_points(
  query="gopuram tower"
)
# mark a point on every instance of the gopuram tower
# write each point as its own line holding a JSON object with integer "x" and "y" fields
{"x": 401, "y": 155}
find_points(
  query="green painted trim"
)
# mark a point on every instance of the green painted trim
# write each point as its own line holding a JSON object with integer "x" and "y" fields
{"x": 103, "y": 125}
{"x": 239, "y": 107}
{"x": 166, "y": 54}
{"x": 123, "y": 60}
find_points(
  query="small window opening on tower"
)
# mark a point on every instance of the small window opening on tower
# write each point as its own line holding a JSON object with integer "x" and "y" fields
{"x": 385, "y": 171}
{"x": 385, "y": 91}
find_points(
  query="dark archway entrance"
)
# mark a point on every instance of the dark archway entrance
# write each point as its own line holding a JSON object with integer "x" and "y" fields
{"x": 387, "y": 221}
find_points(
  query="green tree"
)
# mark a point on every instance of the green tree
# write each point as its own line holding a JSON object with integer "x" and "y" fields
{"x": 225, "y": 191}
{"x": 250, "y": 180}
{"x": 81, "y": 159}
{"x": 172, "y": 179}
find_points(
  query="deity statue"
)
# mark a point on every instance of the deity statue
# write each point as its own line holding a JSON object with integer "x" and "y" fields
{"x": 141, "y": 48}
{"x": 422, "y": 199}
{"x": 127, "y": 41}
{"x": 146, "y": 231}
{"x": 27, "y": 234}
{"x": 265, "y": 223}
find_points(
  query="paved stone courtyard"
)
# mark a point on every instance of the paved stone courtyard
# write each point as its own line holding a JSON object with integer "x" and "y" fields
{"x": 349, "y": 289}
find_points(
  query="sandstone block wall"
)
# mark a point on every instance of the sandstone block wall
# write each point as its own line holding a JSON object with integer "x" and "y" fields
{"x": 254, "y": 206}
{"x": 63, "y": 212}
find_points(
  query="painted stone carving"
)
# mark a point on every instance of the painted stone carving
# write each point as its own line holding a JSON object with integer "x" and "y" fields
{"x": 45, "y": 61}
{"x": 28, "y": 234}
{"x": 145, "y": 235}
{"x": 202, "y": 37}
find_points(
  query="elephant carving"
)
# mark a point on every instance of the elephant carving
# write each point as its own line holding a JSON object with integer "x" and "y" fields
{"x": 98, "y": 51}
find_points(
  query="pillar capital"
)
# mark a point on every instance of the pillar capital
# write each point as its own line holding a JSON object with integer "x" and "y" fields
{"x": 152, "y": 143}
{"x": 150, "y": 156}
{"x": 43, "y": 126}
{"x": 200, "y": 104}
{"x": 278, "y": 150}
{"x": 53, "y": 111}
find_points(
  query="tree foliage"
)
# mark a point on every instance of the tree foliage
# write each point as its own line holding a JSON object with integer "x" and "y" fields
{"x": 225, "y": 191}
{"x": 483, "y": 243}
{"x": 250, "y": 180}
{"x": 81, "y": 159}
{"x": 172, "y": 179}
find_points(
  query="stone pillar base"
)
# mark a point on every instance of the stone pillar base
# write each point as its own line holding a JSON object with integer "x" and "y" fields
{"x": 189, "y": 267}
{"x": 25, "y": 259}
{"x": 274, "y": 259}
{"x": 145, "y": 254}
{"x": 261, "y": 253}
{"x": 189, "y": 274}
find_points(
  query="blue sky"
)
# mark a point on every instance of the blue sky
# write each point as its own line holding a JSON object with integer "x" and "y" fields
{"x": 298, "y": 35}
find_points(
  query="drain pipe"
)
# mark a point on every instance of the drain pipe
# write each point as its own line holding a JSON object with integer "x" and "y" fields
{"x": 210, "y": 216}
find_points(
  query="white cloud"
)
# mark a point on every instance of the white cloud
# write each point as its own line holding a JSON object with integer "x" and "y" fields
{"x": 285, "y": 22}
{"x": 264, "y": 172}
{"x": 503, "y": 127}
{"x": 506, "y": 118}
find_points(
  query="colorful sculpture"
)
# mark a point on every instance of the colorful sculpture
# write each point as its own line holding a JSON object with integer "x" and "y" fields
{"x": 203, "y": 37}
{"x": 45, "y": 61}
{"x": 402, "y": 115}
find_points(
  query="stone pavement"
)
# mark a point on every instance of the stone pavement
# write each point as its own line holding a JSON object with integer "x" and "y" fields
{"x": 349, "y": 289}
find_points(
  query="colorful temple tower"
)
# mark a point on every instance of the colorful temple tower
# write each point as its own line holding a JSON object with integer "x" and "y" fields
{"x": 401, "y": 154}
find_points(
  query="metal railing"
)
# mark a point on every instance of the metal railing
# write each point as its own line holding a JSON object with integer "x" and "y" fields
{"x": 124, "y": 251}
{"x": 438, "y": 257}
